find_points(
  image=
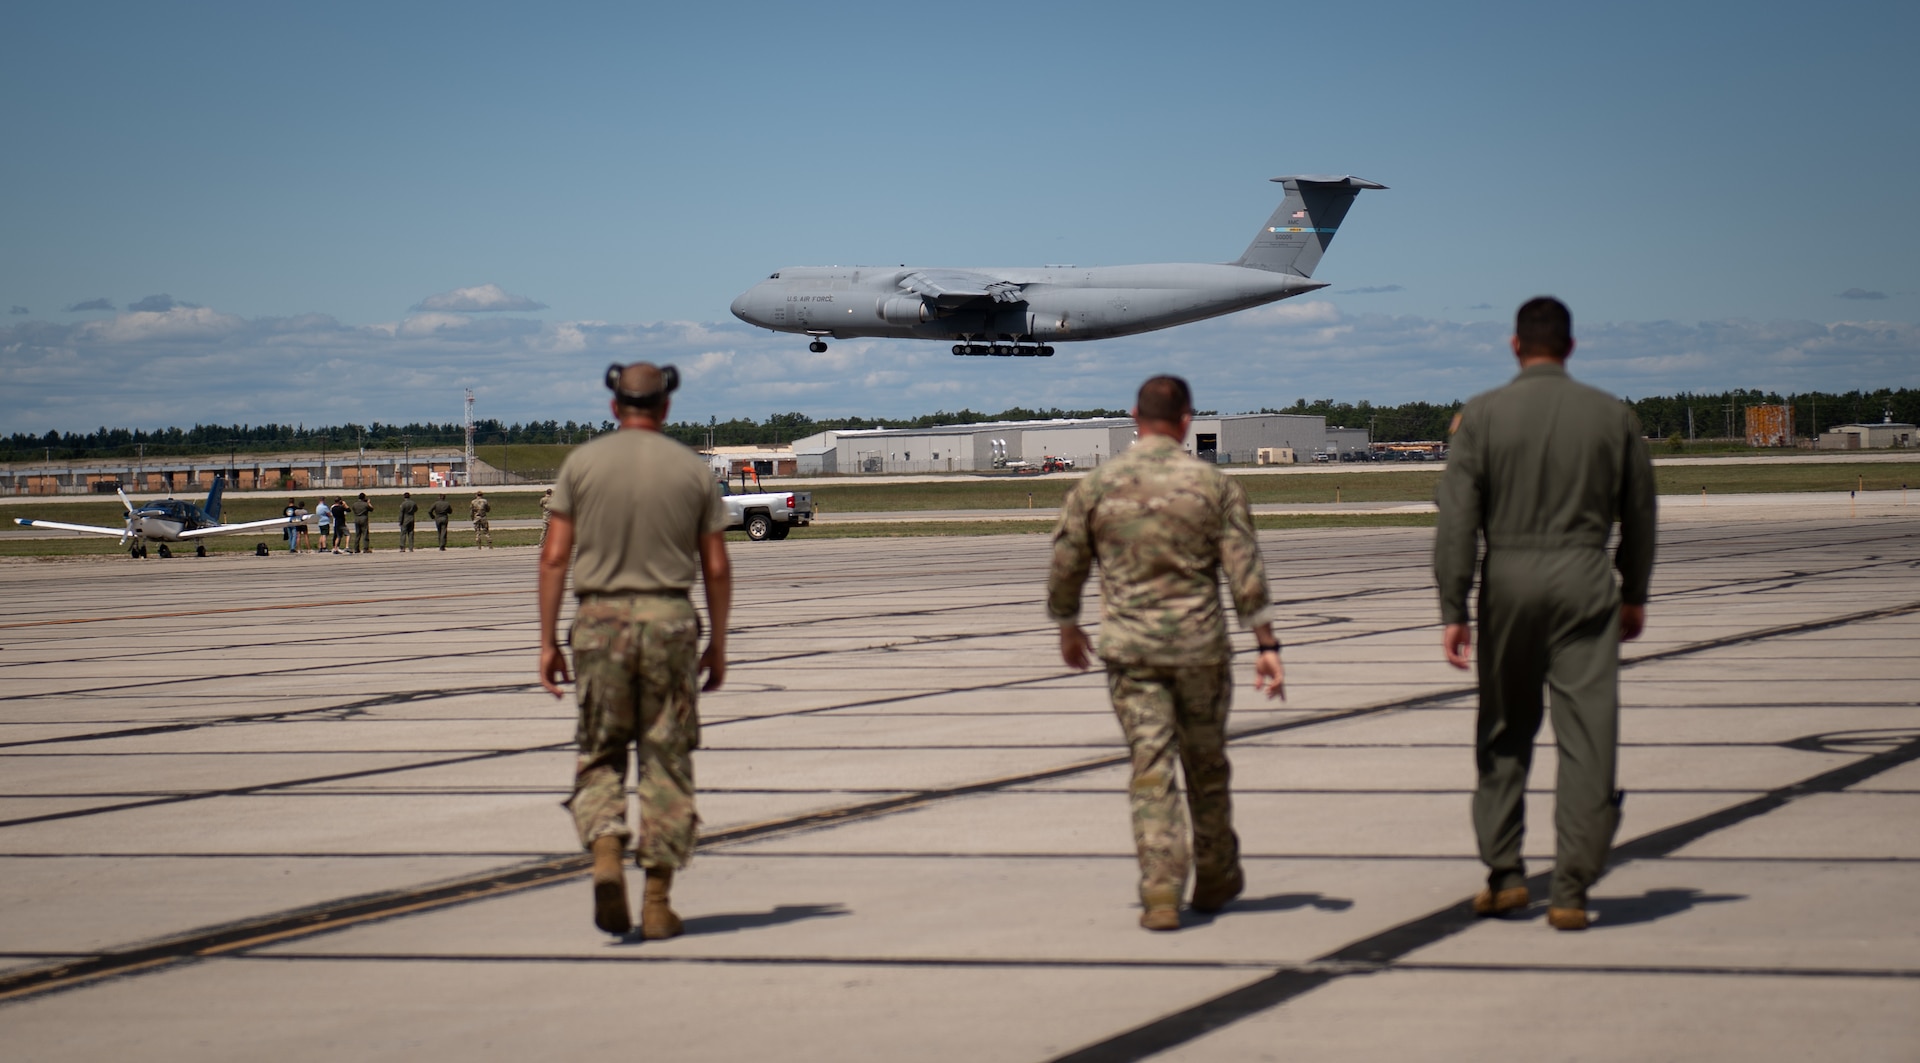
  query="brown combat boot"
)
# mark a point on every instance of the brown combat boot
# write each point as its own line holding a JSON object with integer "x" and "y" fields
{"x": 610, "y": 886}
{"x": 1160, "y": 909}
{"x": 657, "y": 921}
{"x": 1567, "y": 918}
{"x": 1512, "y": 899}
{"x": 1210, "y": 897}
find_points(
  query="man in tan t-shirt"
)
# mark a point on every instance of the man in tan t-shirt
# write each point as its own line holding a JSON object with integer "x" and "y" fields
{"x": 646, "y": 516}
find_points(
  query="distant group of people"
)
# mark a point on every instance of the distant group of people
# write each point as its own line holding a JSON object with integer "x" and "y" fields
{"x": 1541, "y": 470}
{"x": 332, "y": 522}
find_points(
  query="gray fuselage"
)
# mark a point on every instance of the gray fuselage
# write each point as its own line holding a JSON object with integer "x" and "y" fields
{"x": 1052, "y": 304}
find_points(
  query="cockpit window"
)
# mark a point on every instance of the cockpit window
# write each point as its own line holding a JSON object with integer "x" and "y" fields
{"x": 773, "y": 276}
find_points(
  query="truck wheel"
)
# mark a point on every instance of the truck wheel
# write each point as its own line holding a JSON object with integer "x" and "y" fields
{"x": 759, "y": 527}
{"x": 780, "y": 530}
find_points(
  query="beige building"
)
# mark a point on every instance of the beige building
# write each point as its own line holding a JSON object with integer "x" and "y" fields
{"x": 1886, "y": 434}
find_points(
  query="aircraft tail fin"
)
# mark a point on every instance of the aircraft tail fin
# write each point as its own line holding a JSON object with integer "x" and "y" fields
{"x": 1293, "y": 239}
{"x": 212, "y": 508}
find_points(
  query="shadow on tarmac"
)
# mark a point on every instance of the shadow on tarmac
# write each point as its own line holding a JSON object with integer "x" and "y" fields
{"x": 730, "y": 922}
{"x": 1279, "y": 902}
{"x": 1654, "y": 904}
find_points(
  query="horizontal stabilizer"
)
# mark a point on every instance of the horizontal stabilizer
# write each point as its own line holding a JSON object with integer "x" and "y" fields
{"x": 1297, "y": 235}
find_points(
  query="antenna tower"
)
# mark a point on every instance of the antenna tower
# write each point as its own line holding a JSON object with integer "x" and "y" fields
{"x": 470, "y": 455}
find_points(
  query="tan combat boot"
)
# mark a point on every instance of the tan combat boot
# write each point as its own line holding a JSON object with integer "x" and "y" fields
{"x": 1513, "y": 899}
{"x": 1211, "y": 896}
{"x": 610, "y": 886}
{"x": 1160, "y": 909}
{"x": 1567, "y": 918}
{"x": 657, "y": 921}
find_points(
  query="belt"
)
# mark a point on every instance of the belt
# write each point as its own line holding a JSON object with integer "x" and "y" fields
{"x": 614, "y": 596}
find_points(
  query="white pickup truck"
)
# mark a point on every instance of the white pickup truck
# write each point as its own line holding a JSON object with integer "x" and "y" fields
{"x": 767, "y": 515}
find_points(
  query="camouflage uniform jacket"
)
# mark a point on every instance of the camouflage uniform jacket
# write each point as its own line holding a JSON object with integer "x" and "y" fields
{"x": 481, "y": 507}
{"x": 1162, "y": 524}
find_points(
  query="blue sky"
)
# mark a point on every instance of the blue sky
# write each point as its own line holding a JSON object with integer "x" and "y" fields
{"x": 1723, "y": 193}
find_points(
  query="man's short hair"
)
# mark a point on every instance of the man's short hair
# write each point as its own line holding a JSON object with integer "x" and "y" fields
{"x": 1163, "y": 398}
{"x": 1544, "y": 324}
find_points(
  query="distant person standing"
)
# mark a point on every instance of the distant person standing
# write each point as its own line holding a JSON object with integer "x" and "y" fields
{"x": 339, "y": 523}
{"x": 647, "y": 519}
{"x": 482, "y": 527}
{"x": 324, "y": 516}
{"x": 362, "y": 521}
{"x": 546, "y": 514}
{"x": 442, "y": 513}
{"x": 409, "y": 509}
{"x": 1163, "y": 525}
{"x": 1542, "y": 469}
{"x": 292, "y": 513}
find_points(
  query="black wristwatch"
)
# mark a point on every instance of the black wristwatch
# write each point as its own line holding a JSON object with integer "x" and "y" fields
{"x": 1268, "y": 647}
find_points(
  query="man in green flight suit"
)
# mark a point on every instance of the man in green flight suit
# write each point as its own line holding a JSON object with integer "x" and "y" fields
{"x": 441, "y": 512}
{"x": 362, "y": 519}
{"x": 1162, "y": 525}
{"x": 1542, "y": 469}
{"x": 409, "y": 510}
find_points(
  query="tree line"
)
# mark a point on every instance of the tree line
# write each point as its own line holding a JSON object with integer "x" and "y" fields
{"x": 1689, "y": 414}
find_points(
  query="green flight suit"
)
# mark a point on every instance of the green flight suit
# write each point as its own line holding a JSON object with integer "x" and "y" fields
{"x": 1541, "y": 469}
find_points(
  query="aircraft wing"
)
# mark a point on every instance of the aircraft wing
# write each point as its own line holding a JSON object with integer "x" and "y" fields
{"x": 90, "y": 529}
{"x": 222, "y": 529}
{"x": 959, "y": 286}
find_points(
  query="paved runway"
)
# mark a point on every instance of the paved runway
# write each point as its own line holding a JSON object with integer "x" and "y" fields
{"x": 263, "y": 808}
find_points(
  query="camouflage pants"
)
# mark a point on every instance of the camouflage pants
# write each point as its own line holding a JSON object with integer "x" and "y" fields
{"x": 636, "y": 661}
{"x": 482, "y": 532}
{"x": 1167, "y": 713}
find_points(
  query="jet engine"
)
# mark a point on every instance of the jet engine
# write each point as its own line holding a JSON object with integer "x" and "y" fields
{"x": 905, "y": 310}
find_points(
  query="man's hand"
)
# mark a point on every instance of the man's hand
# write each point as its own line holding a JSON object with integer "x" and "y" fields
{"x": 1075, "y": 650}
{"x": 553, "y": 670}
{"x": 1633, "y": 620}
{"x": 714, "y": 662}
{"x": 1269, "y": 676}
{"x": 1457, "y": 641}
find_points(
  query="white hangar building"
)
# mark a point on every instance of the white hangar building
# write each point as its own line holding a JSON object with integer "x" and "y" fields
{"x": 1238, "y": 438}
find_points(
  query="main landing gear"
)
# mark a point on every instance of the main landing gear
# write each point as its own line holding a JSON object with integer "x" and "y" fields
{"x": 1004, "y": 350}
{"x": 817, "y": 347}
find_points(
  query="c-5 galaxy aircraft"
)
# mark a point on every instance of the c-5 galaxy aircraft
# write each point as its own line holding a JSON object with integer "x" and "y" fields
{"x": 1023, "y": 311}
{"x": 168, "y": 521}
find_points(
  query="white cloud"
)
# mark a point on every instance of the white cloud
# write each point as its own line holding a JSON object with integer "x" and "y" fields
{"x": 189, "y": 365}
{"x": 480, "y": 298}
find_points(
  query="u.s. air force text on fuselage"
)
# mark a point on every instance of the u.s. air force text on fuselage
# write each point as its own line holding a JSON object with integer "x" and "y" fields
{"x": 1024, "y": 310}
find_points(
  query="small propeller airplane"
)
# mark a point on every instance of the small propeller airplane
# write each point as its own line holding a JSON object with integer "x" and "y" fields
{"x": 168, "y": 521}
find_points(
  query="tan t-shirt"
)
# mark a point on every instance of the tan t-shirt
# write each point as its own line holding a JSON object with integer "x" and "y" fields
{"x": 639, "y": 504}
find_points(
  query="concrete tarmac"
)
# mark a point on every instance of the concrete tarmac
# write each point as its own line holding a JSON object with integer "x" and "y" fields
{"x": 257, "y": 807}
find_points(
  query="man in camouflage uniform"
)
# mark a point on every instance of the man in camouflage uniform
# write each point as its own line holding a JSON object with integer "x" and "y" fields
{"x": 409, "y": 510}
{"x": 1162, "y": 524}
{"x": 482, "y": 527}
{"x": 647, "y": 518}
{"x": 546, "y": 515}
{"x": 1542, "y": 469}
{"x": 362, "y": 518}
{"x": 441, "y": 512}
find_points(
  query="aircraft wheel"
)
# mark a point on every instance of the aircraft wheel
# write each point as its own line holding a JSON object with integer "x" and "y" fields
{"x": 199, "y": 549}
{"x": 759, "y": 527}
{"x": 959, "y": 348}
{"x": 1046, "y": 352}
{"x": 134, "y": 552}
{"x": 164, "y": 552}
{"x": 1000, "y": 350}
{"x": 817, "y": 347}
